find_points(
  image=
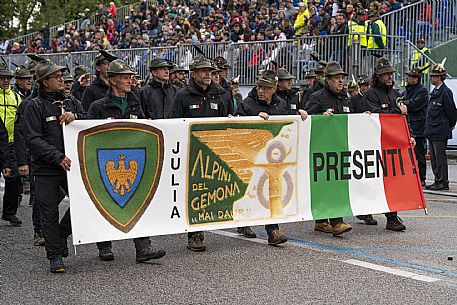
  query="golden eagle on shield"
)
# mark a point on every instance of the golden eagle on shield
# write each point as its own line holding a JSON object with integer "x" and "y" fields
{"x": 121, "y": 178}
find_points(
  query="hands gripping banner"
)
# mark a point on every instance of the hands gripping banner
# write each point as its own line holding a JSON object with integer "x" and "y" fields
{"x": 134, "y": 178}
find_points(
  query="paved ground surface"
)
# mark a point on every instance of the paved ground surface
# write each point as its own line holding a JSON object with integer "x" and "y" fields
{"x": 368, "y": 265}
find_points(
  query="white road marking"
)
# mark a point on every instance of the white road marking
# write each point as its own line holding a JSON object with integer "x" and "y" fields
{"x": 407, "y": 274}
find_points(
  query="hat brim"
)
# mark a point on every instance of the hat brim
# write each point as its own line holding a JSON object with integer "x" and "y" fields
{"x": 24, "y": 76}
{"x": 205, "y": 66}
{"x": 412, "y": 74}
{"x": 386, "y": 70}
{"x": 5, "y": 73}
{"x": 437, "y": 73}
{"x": 310, "y": 76}
{"x": 179, "y": 70}
{"x": 263, "y": 83}
{"x": 337, "y": 72}
{"x": 52, "y": 70}
{"x": 288, "y": 77}
{"x": 79, "y": 75}
{"x": 110, "y": 73}
{"x": 162, "y": 65}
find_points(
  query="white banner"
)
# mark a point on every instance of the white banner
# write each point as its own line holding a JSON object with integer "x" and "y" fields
{"x": 134, "y": 178}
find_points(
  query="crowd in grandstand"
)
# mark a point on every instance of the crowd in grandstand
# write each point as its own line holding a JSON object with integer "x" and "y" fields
{"x": 174, "y": 22}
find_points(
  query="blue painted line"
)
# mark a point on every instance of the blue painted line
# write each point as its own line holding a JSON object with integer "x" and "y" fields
{"x": 359, "y": 252}
{"x": 406, "y": 264}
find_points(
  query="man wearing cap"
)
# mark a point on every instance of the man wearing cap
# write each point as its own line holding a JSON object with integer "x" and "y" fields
{"x": 5, "y": 167}
{"x": 286, "y": 92}
{"x": 353, "y": 88}
{"x": 356, "y": 99}
{"x": 440, "y": 121}
{"x": 68, "y": 83}
{"x": 99, "y": 86}
{"x": 310, "y": 78}
{"x": 416, "y": 100}
{"x": 383, "y": 98}
{"x": 9, "y": 101}
{"x": 223, "y": 66}
{"x": 377, "y": 32}
{"x": 121, "y": 103}
{"x": 263, "y": 101}
{"x": 318, "y": 83}
{"x": 199, "y": 99}
{"x": 22, "y": 152}
{"x": 418, "y": 59}
{"x": 157, "y": 96}
{"x": 234, "y": 87}
{"x": 82, "y": 80}
{"x": 328, "y": 101}
{"x": 178, "y": 76}
{"x": 23, "y": 85}
{"x": 44, "y": 116}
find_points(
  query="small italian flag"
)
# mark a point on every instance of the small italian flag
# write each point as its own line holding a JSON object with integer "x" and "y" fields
{"x": 197, "y": 106}
{"x": 51, "y": 118}
{"x": 361, "y": 164}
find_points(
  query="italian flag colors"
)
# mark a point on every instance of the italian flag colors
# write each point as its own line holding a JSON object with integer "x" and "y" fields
{"x": 361, "y": 164}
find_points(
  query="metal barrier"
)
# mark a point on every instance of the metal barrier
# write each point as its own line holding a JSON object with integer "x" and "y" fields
{"x": 247, "y": 59}
{"x": 120, "y": 15}
{"x": 435, "y": 21}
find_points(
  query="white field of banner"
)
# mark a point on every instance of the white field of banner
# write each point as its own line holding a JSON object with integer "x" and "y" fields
{"x": 241, "y": 172}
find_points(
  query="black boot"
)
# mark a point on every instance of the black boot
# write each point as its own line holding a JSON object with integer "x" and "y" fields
{"x": 395, "y": 224}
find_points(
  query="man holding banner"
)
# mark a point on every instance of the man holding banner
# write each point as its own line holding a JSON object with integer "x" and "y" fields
{"x": 263, "y": 101}
{"x": 200, "y": 98}
{"x": 44, "y": 116}
{"x": 121, "y": 103}
{"x": 383, "y": 98}
{"x": 328, "y": 101}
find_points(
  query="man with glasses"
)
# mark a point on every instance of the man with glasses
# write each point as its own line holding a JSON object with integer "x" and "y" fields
{"x": 9, "y": 101}
{"x": 97, "y": 90}
{"x": 44, "y": 116}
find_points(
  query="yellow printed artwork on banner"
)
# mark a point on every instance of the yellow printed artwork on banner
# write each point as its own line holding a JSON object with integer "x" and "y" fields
{"x": 242, "y": 171}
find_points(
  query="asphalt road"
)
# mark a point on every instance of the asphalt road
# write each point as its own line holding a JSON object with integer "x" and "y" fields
{"x": 368, "y": 265}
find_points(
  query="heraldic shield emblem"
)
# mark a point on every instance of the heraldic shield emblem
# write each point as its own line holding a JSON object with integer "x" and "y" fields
{"x": 120, "y": 165}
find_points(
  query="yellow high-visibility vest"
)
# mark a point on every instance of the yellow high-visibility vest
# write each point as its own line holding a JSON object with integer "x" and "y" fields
{"x": 382, "y": 28}
{"x": 417, "y": 57}
{"x": 354, "y": 28}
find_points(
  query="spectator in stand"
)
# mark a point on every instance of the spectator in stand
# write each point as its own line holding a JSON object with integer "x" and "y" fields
{"x": 342, "y": 26}
{"x": 112, "y": 10}
{"x": 394, "y": 5}
{"x": 349, "y": 11}
{"x": 46, "y": 34}
{"x": 301, "y": 19}
{"x": 324, "y": 22}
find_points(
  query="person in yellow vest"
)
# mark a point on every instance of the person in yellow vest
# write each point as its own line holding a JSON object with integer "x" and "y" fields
{"x": 378, "y": 31}
{"x": 357, "y": 30}
{"x": 302, "y": 19}
{"x": 9, "y": 101}
{"x": 418, "y": 60}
